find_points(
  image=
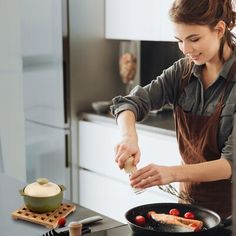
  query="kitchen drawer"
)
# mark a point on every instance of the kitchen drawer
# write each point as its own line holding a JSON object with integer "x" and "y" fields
{"x": 113, "y": 198}
{"x": 97, "y": 142}
{"x": 96, "y": 148}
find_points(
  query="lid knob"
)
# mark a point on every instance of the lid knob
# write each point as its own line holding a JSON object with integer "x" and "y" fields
{"x": 42, "y": 181}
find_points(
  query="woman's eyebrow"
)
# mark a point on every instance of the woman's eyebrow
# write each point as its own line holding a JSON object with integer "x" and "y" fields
{"x": 190, "y": 36}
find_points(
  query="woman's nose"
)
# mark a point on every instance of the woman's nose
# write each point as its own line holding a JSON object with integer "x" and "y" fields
{"x": 186, "y": 48}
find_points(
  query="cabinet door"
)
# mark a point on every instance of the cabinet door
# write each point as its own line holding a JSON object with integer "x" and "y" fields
{"x": 96, "y": 148}
{"x": 113, "y": 198}
{"x": 158, "y": 148}
{"x": 138, "y": 20}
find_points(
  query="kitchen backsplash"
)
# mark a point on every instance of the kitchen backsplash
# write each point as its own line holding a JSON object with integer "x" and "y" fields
{"x": 155, "y": 57}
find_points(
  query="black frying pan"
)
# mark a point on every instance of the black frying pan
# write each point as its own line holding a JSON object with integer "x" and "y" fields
{"x": 212, "y": 221}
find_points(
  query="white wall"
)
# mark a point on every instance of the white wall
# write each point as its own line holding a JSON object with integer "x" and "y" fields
{"x": 11, "y": 98}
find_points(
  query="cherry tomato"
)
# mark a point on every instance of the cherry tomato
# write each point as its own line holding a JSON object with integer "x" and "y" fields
{"x": 149, "y": 214}
{"x": 61, "y": 222}
{"x": 189, "y": 215}
{"x": 174, "y": 212}
{"x": 140, "y": 220}
{"x": 195, "y": 226}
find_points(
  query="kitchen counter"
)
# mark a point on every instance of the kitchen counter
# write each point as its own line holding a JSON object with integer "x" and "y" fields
{"x": 161, "y": 122}
{"x": 11, "y": 200}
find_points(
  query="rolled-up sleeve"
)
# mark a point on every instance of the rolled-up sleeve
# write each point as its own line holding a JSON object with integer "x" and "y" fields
{"x": 122, "y": 104}
{"x": 155, "y": 95}
{"x": 137, "y": 101}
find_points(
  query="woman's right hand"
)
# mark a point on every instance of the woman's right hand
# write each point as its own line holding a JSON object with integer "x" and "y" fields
{"x": 126, "y": 148}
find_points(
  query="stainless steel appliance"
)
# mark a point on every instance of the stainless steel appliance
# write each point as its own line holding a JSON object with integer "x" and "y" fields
{"x": 45, "y": 88}
{"x": 1, "y": 158}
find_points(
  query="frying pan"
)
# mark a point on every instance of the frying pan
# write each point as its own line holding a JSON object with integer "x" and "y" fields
{"x": 212, "y": 221}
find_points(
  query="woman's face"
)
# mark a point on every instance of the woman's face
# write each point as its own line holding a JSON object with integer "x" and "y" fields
{"x": 198, "y": 42}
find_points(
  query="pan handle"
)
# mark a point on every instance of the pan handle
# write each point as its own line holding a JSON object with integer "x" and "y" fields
{"x": 227, "y": 221}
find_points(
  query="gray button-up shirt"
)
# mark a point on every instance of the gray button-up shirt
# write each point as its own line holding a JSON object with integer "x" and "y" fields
{"x": 194, "y": 99}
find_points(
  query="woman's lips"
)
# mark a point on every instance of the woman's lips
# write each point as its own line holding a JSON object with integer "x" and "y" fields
{"x": 194, "y": 57}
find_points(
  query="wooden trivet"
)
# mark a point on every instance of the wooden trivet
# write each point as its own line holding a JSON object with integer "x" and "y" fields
{"x": 48, "y": 219}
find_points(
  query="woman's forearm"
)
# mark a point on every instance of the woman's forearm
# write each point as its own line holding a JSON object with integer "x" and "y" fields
{"x": 203, "y": 172}
{"x": 126, "y": 123}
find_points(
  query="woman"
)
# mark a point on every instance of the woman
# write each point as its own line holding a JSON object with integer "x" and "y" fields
{"x": 202, "y": 89}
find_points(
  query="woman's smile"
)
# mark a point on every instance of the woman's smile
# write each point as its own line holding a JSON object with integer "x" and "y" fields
{"x": 194, "y": 57}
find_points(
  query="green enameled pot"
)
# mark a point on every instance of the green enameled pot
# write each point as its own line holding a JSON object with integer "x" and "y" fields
{"x": 42, "y": 196}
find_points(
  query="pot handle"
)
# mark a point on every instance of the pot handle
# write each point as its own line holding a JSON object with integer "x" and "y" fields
{"x": 63, "y": 188}
{"x": 227, "y": 221}
{"x": 21, "y": 191}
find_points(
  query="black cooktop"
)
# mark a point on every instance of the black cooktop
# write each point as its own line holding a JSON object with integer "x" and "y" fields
{"x": 126, "y": 231}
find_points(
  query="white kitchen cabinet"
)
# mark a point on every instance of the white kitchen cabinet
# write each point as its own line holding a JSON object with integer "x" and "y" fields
{"x": 97, "y": 142}
{"x": 102, "y": 185}
{"x": 138, "y": 20}
{"x": 96, "y": 149}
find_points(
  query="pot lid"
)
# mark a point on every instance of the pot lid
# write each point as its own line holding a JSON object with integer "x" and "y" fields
{"x": 42, "y": 188}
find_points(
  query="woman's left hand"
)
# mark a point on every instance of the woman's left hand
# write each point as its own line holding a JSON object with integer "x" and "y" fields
{"x": 152, "y": 175}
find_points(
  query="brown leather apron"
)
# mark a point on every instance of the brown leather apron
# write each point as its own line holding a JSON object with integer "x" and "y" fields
{"x": 197, "y": 139}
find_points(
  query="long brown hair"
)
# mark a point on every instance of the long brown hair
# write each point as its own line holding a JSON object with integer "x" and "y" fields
{"x": 209, "y": 13}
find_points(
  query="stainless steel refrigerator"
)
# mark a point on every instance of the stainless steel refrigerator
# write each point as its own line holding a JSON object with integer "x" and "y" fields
{"x": 45, "y": 88}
